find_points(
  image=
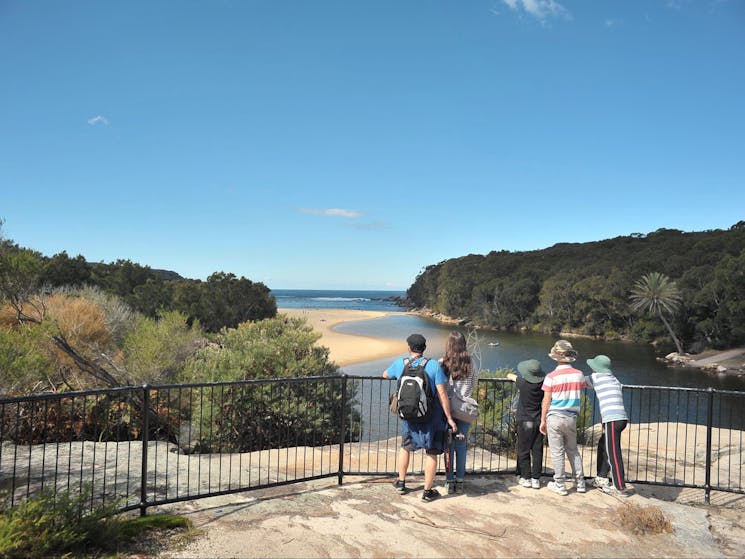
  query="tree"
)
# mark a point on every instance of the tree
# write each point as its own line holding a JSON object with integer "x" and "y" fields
{"x": 62, "y": 270}
{"x": 655, "y": 292}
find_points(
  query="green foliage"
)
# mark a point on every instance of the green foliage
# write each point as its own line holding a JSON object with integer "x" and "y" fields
{"x": 63, "y": 524}
{"x": 156, "y": 349}
{"x": 585, "y": 287}
{"x": 61, "y": 270}
{"x": 260, "y": 415}
{"x": 53, "y": 524}
{"x": 19, "y": 278}
{"x": 223, "y": 301}
{"x": 280, "y": 347}
{"x": 657, "y": 293}
{"x": 23, "y": 362}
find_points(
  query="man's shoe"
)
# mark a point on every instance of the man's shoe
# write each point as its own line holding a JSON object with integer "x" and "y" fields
{"x": 400, "y": 486}
{"x": 558, "y": 489}
{"x": 451, "y": 487}
{"x": 581, "y": 488}
{"x": 524, "y": 482}
{"x": 600, "y": 482}
{"x": 430, "y": 495}
{"x": 535, "y": 483}
{"x": 458, "y": 486}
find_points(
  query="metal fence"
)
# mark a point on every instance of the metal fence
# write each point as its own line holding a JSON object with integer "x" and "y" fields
{"x": 151, "y": 445}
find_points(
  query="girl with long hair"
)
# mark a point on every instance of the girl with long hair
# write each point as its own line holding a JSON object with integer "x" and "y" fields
{"x": 463, "y": 377}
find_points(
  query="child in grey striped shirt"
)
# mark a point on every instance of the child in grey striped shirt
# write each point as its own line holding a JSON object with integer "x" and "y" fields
{"x": 614, "y": 418}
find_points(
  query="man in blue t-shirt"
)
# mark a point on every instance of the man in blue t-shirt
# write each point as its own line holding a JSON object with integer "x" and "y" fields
{"x": 428, "y": 434}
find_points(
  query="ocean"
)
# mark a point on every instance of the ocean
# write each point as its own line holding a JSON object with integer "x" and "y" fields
{"x": 359, "y": 300}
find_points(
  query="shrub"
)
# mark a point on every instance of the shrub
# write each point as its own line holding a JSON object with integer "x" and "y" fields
{"x": 267, "y": 415}
{"x": 639, "y": 520}
{"x": 49, "y": 524}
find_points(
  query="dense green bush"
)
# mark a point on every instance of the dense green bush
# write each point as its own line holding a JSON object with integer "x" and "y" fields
{"x": 66, "y": 525}
{"x": 266, "y": 415}
{"x": 53, "y": 524}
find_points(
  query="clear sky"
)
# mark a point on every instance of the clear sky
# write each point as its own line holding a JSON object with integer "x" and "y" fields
{"x": 349, "y": 144}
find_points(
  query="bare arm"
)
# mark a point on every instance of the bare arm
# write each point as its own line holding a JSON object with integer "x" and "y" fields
{"x": 544, "y": 411}
{"x": 445, "y": 402}
{"x": 512, "y": 377}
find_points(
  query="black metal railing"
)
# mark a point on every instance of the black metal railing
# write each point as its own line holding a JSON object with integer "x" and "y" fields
{"x": 152, "y": 445}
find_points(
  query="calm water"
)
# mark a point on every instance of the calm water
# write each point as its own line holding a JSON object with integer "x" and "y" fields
{"x": 633, "y": 364}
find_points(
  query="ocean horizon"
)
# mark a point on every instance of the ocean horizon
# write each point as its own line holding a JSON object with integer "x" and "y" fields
{"x": 352, "y": 299}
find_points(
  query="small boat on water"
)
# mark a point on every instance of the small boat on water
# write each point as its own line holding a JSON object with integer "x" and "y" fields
{"x": 493, "y": 344}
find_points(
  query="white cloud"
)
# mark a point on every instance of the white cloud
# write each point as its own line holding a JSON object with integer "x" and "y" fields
{"x": 98, "y": 119}
{"x": 539, "y": 9}
{"x": 334, "y": 212}
{"x": 612, "y": 22}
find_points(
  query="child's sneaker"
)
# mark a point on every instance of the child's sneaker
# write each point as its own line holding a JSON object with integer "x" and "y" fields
{"x": 558, "y": 489}
{"x": 600, "y": 482}
{"x": 430, "y": 495}
{"x": 613, "y": 492}
{"x": 524, "y": 482}
{"x": 400, "y": 486}
{"x": 535, "y": 483}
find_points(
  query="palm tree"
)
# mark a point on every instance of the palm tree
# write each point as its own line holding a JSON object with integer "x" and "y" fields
{"x": 657, "y": 293}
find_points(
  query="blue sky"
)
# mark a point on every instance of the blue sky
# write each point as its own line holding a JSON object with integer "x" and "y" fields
{"x": 350, "y": 144}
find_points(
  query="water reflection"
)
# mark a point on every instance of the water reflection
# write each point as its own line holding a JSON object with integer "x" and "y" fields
{"x": 633, "y": 364}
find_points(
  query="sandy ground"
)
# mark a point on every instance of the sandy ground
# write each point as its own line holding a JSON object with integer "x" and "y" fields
{"x": 348, "y": 349}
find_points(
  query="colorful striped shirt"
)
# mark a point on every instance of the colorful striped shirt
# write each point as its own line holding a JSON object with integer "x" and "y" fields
{"x": 610, "y": 396}
{"x": 565, "y": 383}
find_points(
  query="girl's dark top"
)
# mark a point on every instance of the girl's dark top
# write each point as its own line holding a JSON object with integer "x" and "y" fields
{"x": 531, "y": 396}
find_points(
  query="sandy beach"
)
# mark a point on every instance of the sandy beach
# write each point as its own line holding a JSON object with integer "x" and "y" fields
{"x": 348, "y": 349}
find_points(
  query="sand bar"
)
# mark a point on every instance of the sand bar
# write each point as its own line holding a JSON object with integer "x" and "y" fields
{"x": 348, "y": 349}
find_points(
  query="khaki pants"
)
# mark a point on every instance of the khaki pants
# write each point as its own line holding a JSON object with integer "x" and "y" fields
{"x": 562, "y": 438}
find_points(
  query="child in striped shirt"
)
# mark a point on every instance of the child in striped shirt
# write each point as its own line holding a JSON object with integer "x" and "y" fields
{"x": 614, "y": 418}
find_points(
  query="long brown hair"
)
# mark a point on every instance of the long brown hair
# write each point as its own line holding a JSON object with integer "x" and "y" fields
{"x": 457, "y": 361}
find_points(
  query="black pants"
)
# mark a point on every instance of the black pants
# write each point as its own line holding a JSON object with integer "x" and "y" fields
{"x": 529, "y": 444}
{"x": 610, "y": 459}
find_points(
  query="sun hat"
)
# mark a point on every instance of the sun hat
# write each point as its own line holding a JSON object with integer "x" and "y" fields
{"x": 531, "y": 370}
{"x": 600, "y": 364}
{"x": 563, "y": 352}
{"x": 417, "y": 343}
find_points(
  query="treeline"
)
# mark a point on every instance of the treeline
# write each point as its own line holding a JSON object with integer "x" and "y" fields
{"x": 588, "y": 288}
{"x": 222, "y": 301}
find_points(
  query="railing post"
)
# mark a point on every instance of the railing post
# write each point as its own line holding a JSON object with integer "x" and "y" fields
{"x": 342, "y": 427}
{"x": 145, "y": 437}
{"x": 709, "y": 421}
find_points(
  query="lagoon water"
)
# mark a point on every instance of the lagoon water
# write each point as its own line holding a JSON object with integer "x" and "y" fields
{"x": 633, "y": 364}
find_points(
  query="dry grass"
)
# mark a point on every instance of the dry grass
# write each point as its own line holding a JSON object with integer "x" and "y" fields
{"x": 643, "y": 520}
